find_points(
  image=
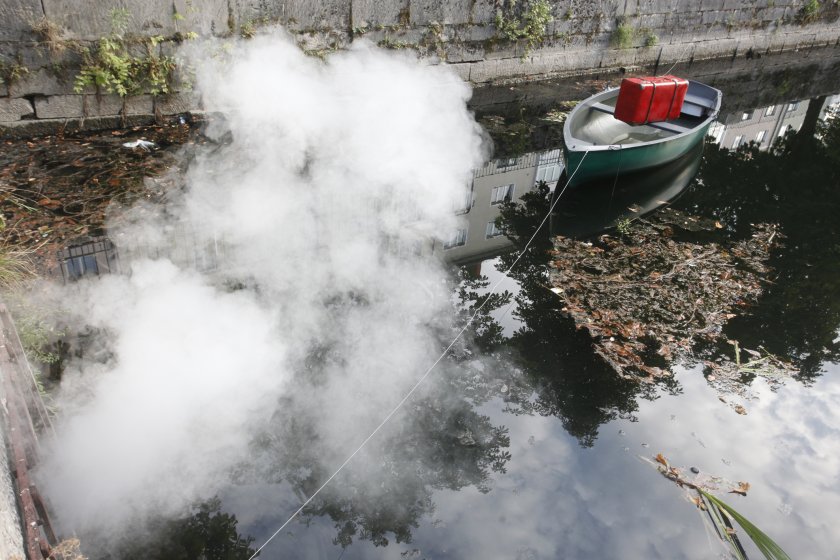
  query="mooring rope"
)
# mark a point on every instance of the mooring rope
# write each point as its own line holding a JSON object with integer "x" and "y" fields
{"x": 428, "y": 371}
{"x": 679, "y": 59}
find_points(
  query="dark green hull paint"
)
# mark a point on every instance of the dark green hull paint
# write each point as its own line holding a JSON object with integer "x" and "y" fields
{"x": 607, "y": 163}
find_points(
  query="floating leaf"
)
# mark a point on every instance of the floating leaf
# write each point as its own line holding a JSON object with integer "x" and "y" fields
{"x": 743, "y": 488}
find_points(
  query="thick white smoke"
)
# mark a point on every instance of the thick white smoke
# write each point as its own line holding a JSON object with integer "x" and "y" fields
{"x": 322, "y": 212}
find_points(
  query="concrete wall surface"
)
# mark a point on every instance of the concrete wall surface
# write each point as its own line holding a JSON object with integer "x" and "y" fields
{"x": 42, "y": 42}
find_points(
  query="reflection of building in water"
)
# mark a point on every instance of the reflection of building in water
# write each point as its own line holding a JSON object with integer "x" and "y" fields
{"x": 181, "y": 245}
{"x": 499, "y": 181}
{"x": 95, "y": 257}
{"x": 764, "y": 124}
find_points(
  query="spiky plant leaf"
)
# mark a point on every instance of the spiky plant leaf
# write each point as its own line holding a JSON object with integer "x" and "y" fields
{"x": 765, "y": 544}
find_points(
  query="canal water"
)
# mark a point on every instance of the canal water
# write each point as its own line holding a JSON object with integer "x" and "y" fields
{"x": 527, "y": 447}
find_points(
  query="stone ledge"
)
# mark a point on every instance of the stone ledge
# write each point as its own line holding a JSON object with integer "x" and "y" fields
{"x": 43, "y": 127}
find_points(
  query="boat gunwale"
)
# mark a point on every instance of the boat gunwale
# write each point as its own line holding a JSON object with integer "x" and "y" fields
{"x": 607, "y": 94}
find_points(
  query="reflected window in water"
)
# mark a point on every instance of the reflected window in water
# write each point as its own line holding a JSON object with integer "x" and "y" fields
{"x": 463, "y": 206}
{"x": 502, "y": 194}
{"x": 456, "y": 239}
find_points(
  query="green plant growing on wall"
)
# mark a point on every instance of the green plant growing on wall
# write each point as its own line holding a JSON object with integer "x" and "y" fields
{"x": 651, "y": 39}
{"x": 530, "y": 26}
{"x": 113, "y": 67}
{"x": 12, "y": 72}
{"x": 434, "y": 39}
{"x": 247, "y": 31}
{"x": 809, "y": 12}
{"x": 390, "y": 43}
{"x": 623, "y": 36}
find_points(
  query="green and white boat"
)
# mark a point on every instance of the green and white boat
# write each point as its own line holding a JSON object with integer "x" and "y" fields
{"x": 612, "y": 147}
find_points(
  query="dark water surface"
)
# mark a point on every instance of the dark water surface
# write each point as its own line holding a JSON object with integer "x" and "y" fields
{"x": 535, "y": 450}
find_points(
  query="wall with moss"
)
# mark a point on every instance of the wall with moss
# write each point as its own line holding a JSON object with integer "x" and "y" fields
{"x": 47, "y": 45}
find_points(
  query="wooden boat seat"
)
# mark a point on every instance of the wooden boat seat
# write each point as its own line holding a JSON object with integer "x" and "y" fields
{"x": 664, "y": 125}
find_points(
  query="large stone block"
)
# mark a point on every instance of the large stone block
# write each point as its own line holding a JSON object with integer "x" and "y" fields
{"x": 653, "y": 22}
{"x": 644, "y": 7}
{"x": 299, "y": 14}
{"x": 462, "y": 69}
{"x": 711, "y": 5}
{"x": 370, "y": 13}
{"x": 617, "y": 58}
{"x": 423, "y": 12}
{"x": 464, "y": 53}
{"x": 484, "y": 71}
{"x": 91, "y": 19}
{"x": 177, "y": 103}
{"x": 59, "y": 106}
{"x": 14, "y": 109}
{"x": 483, "y": 11}
{"x": 208, "y": 17}
{"x": 474, "y": 33}
{"x": 685, "y": 6}
{"x": 713, "y": 49}
{"x": 18, "y": 17}
{"x": 712, "y": 17}
{"x": 737, "y": 5}
{"x": 112, "y": 105}
{"x": 42, "y": 81}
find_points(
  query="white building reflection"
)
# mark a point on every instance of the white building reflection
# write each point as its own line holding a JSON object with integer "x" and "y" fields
{"x": 499, "y": 181}
{"x": 764, "y": 125}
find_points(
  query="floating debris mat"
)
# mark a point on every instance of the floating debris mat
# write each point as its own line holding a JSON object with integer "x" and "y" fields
{"x": 645, "y": 296}
{"x": 55, "y": 190}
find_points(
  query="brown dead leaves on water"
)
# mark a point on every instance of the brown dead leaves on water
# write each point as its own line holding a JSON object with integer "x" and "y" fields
{"x": 55, "y": 190}
{"x": 647, "y": 294}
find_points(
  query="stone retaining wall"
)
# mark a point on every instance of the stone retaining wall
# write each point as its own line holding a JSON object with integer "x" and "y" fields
{"x": 41, "y": 41}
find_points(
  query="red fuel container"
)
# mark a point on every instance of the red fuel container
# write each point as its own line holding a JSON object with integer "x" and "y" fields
{"x": 644, "y": 100}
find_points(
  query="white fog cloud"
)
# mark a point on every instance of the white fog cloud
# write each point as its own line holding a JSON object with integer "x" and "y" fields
{"x": 324, "y": 205}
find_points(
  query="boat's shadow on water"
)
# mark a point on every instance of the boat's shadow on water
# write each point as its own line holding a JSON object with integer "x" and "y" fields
{"x": 590, "y": 208}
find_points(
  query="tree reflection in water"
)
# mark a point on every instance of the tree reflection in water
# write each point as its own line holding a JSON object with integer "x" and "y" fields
{"x": 206, "y": 533}
{"x": 797, "y": 185}
{"x": 565, "y": 379}
{"x": 440, "y": 443}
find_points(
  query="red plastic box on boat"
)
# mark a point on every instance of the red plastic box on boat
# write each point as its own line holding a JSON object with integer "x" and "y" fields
{"x": 650, "y": 99}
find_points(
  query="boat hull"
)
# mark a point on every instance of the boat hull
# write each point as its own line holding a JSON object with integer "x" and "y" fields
{"x": 598, "y": 164}
{"x": 598, "y": 146}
